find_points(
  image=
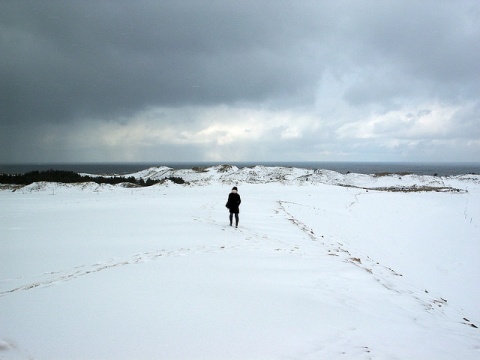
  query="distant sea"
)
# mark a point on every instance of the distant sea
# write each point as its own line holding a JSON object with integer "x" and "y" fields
{"x": 440, "y": 169}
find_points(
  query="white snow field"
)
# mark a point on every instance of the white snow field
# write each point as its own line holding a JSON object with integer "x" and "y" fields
{"x": 322, "y": 266}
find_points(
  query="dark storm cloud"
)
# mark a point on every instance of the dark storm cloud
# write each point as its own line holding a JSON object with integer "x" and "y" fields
{"x": 94, "y": 62}
{"x": 89, "y": 58}
{"x": 77, "y": 59}
{"x": 409, "y": 49}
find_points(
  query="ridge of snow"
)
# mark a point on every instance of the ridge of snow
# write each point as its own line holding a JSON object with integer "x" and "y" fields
{"x": 232, "y": 175}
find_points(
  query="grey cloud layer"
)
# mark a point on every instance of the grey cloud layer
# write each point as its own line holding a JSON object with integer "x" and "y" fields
{"x": 65, "y": 61}
{"x": 79, "y": 59}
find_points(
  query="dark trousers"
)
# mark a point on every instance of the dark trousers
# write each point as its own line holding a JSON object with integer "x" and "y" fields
{"x": 236, "y": 219}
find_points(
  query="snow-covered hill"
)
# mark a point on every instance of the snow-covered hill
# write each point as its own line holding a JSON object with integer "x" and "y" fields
{"x": 323, "y": 266}
{"x": 228, "y": 174}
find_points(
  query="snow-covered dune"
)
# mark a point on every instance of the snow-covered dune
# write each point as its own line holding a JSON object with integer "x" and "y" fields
{"x": 323, "y": 266}
{"x": 229, "y": 174}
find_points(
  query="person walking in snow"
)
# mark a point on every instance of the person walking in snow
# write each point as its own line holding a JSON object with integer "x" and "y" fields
{"x": 233, "y": 204}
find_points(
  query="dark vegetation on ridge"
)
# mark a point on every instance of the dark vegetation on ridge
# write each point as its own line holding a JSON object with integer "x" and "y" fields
{"x": 69, "y": 177}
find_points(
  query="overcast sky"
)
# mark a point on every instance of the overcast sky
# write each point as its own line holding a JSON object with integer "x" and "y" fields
{"x": 163, "y": 81}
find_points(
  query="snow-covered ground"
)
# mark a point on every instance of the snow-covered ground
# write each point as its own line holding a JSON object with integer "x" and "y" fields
{"x": 322, "y": 266}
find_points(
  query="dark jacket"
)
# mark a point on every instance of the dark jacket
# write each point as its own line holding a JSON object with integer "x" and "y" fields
{"x": 233, "y": 202}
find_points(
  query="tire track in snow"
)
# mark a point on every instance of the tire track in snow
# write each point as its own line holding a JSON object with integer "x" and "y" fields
{"x": 385, "y": 276}
{"x": 83, "y": 270}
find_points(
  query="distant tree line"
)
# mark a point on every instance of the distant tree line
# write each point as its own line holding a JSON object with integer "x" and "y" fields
{"x": 73, "y": 177}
